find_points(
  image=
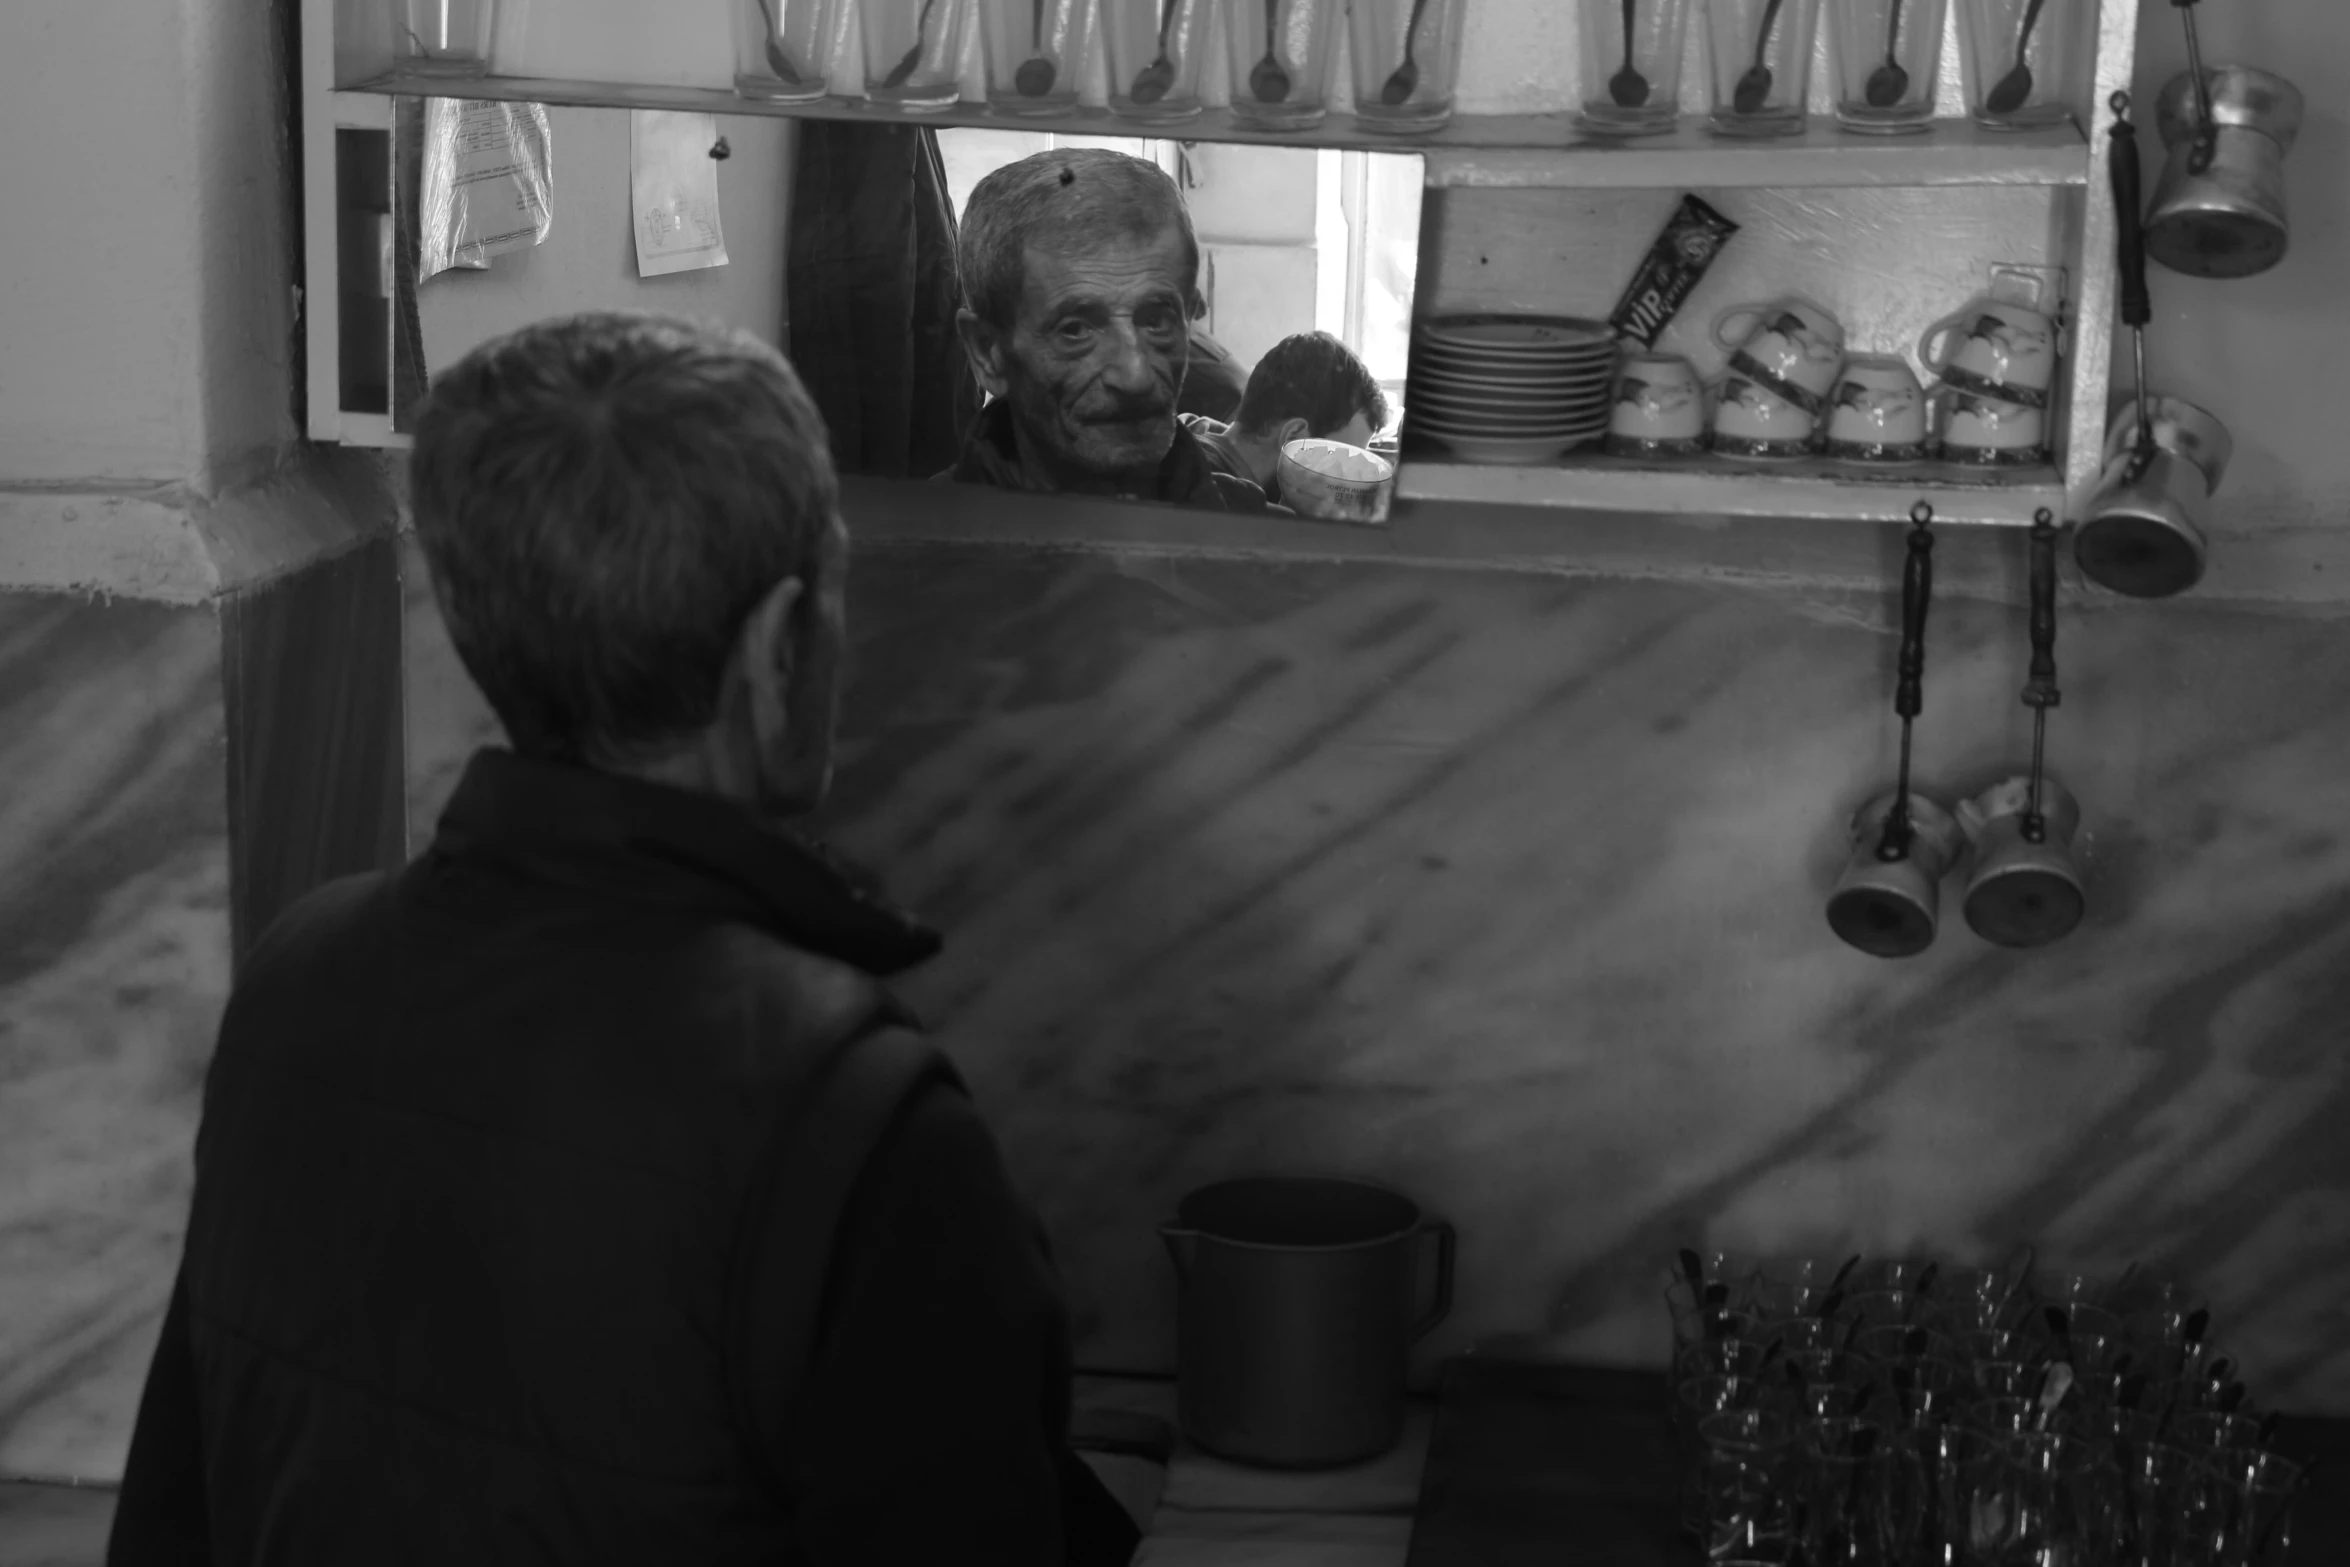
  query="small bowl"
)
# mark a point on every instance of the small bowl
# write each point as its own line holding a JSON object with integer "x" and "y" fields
{"x": 1336, "y": 482}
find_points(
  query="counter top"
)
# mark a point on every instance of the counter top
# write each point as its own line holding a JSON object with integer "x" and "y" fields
{"x": 1232, "y": 1515}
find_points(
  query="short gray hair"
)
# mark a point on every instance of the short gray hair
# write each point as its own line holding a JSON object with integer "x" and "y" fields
{"x": 1050, "y": 199}
{"x": 603, "y": 499}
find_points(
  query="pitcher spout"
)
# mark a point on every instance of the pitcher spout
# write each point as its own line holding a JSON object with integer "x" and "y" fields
{"x": 1180, "y": 1245}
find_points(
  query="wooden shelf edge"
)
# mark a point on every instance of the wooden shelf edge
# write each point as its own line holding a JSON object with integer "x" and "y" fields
{"x": 1502, "y": 150}
{"x": 1756, "y": 493}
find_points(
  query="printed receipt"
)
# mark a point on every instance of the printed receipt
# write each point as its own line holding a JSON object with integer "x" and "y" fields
{"x": 674, "y": 183}
{"x": 487, "y": 182}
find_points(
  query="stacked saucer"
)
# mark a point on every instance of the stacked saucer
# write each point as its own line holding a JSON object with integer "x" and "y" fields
{"x": 1510, "y": 389}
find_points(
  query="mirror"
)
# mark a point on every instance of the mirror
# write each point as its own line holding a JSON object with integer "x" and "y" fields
{"x": 1085, "y": 369}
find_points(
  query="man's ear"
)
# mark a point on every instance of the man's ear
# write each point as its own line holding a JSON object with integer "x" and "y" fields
{"x": 984, "y": 346}
{"x": 1291, "y": 430}
{"x": 764, "y": 656}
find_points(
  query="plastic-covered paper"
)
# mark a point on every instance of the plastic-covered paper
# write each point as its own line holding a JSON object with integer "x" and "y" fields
{"x": 673, "y": 186}
{"x": 487, "y": 184}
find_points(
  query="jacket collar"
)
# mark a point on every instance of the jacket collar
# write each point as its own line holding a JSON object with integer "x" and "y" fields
{"x": 650, "y": 843}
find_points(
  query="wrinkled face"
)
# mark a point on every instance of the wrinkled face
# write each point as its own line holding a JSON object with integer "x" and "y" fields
{"x": 1094, "y": 360}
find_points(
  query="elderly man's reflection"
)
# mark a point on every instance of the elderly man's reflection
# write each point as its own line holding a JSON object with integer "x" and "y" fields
{"x": 1079, "y": 273}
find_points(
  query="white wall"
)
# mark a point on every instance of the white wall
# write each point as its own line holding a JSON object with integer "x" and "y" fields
{"x": 145, "y": 306}
{"x": 588, "y": 259}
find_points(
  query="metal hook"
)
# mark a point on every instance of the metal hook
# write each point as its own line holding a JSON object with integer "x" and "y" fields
{"x": 721, "y": 151}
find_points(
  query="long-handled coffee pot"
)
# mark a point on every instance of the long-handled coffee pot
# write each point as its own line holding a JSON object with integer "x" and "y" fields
{"x": 2142, "y": 534}
{"x": 2025, "y": 890}
{"x": 2219, "y": 208}
{"x": 1888, "y": 901}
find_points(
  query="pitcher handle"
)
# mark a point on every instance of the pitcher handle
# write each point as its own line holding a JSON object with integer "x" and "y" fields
{"x": 1444, "y": 1254}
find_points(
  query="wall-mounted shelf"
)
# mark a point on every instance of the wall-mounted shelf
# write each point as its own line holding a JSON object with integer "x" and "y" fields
{"x": 1806, "y": 488}
{"x": 1504, "y": 150}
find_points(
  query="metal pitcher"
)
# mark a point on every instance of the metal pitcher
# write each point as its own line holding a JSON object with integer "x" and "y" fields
{"x": 1888, "y": 901}
{"x": 2224, "y": 217}
{"x": 2143, "y": 534}
{"x": 1297, "y": 1310}
{"x": 2024, "y": 890}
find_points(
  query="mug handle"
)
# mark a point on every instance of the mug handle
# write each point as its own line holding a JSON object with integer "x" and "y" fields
{"x": 1728, "y": 341}
{"x": 1442, "y": 1308}
{"x": 1926, "y": 354}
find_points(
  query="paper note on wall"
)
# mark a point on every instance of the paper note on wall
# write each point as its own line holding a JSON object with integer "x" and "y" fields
{"x": 674, "y": 183}
{"x": 487, "y": 185}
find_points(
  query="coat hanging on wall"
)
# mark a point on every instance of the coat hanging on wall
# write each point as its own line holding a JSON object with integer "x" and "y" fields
{"x": 871, "y": 297}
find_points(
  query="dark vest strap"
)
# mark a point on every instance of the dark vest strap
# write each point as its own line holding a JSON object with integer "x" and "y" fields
{"x": 792, "y": 1219}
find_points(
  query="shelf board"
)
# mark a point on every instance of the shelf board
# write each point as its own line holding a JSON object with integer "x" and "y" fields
{"x": 1506, "y": 150}
{"x": 1809, "y": 489}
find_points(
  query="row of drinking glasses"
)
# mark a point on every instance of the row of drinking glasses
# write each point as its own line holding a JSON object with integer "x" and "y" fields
{"x": 2017, "y": 56}
{"x": 1281, "y": 54}
{"x": 2005, "y": 1414}
{"x": 1845, "y": 1491}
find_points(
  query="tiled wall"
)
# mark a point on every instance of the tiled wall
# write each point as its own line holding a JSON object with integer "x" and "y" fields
{"x": 1508, "y": 889}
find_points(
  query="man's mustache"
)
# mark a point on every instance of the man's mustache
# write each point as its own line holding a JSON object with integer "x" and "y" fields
{"x": 1128, "y": 411}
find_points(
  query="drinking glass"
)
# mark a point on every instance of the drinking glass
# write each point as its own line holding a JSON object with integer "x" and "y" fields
{"x": 1156, "y": 49}
{"x": 2015, "y": 80}
{"x": 2055, "y": 1501}
{"x": 1893, "y": 1343}
{"x": 1893, "y": 1307}
{"x": 2155, "y": 1507}
{"x": 1407, "y": 54}
{"x": 2210, "y": 1431}
{"x": 1936, "y": 1469}
{"x": 443, "y": 37}
{"x": 1741, "y": 1493}
{"x": 1632, "y": 79}
{"x": 1846, "y": 1482}
{"x": 1887, "y": 55}
{"x": 913, "y": 51}
{"x": 1034, "y": 51}
{"x": 1759, "y": 54}
{"x": 782, "y": 49}
{"x": 1713, "y": 1393}
{"x": 2016, "y": 1379}
{"x": 1924, "y": 1388}
{"x": 1283, "y": 52}
{"x": 1804, "y": 1335}
{"x": 2251, "y": 1500}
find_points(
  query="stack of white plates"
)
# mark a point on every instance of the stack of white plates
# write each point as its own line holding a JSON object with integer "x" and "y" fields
{"x": 1510, "y": 389}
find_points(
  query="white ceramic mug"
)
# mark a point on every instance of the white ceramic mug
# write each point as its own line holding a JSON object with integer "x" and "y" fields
{"x": 1751, "y": 420}
{"x": 1659, "y": 408}
{"x": 1790, "y": 345}
{"x": 1994, "y": 347}
{"x": 1878, "y": 412}
{"x": 1989, "y": 431}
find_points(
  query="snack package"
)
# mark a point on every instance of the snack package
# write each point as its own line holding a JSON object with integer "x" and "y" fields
{"x": 1674, "y": 263}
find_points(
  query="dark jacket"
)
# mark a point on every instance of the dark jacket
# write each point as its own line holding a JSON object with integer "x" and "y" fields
{"x": 1185, "y": 476}
{"x": 477, "y": 1268}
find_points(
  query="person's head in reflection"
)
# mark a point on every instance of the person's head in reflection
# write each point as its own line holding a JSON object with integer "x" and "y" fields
{"x": 1079, "y": 273}
{"x": 633, "y": 530}
{"x": 1308, "y": 385}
